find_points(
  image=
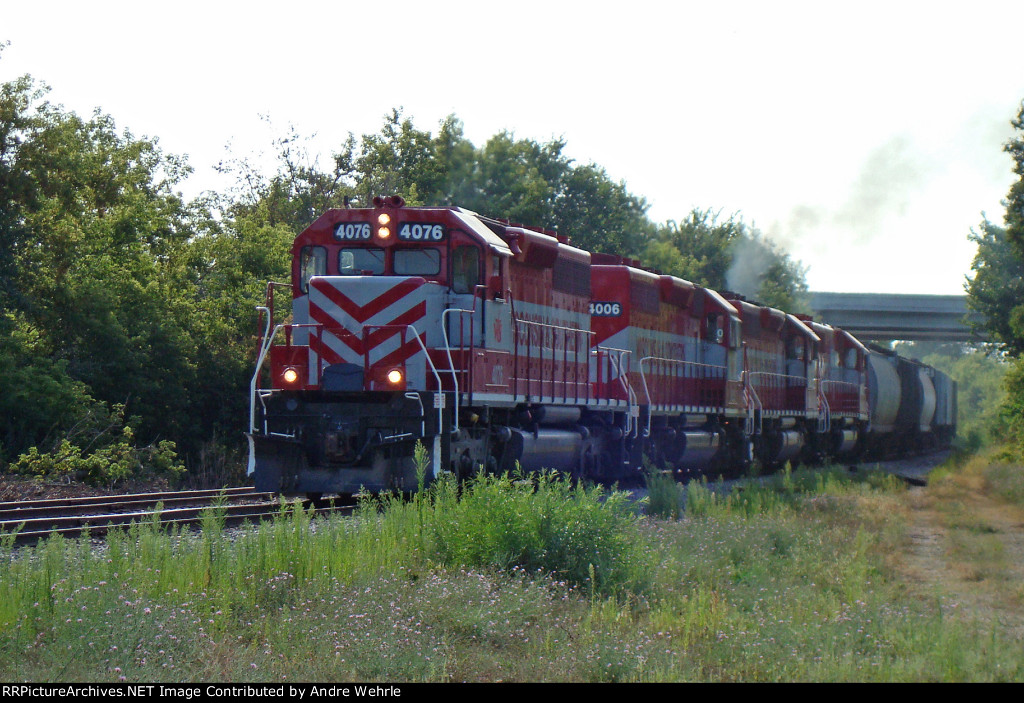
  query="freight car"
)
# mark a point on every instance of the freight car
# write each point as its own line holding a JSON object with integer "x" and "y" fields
{"x": 913, "y": 406}
{"x": 497, "y": 345}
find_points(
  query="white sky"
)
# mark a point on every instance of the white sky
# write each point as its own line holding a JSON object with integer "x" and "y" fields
{"x": 863, "y": 137}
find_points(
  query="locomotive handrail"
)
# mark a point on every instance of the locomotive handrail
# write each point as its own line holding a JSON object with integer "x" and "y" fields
{"x": 619, "y": 362}
{"x": 448, "y": 351}
{"x": 647, "y": 392}
{"x": 801, "y": 379}
{"x": 634, "y": 404}
{"x": 754, "y": 406}
{"x": 266, "y": 340}
{"x": 833, "y": 382}
{"x": 608, "y": 354}
{"x": 423, "y": 414}
{"x": 271, "y": 285}
{"x": 516, "y": 321}
{"x": 853, "y": 389}
{"x": 678, "y": 362}
{"x": 565, "y": 330}
{"x": 824, "y": 418}
{"x": 778, "y": 382}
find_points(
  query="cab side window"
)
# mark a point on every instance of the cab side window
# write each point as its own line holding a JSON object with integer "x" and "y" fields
{"x": 465, "y": 269}
{"x": 713, "y": 330}
{"x": 312, "y": 262}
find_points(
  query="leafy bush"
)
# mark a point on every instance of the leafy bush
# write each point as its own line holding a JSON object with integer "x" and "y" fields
{"x": 539, "y": 523}
{"x": 114, "y": 462}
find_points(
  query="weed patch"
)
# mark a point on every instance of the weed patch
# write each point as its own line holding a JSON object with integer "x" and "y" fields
{"x": 507, "y": 579}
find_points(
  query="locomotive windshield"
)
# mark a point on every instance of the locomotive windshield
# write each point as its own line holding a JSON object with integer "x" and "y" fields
{"x": 356, "y": 261}
{"x": 417, "y": 262}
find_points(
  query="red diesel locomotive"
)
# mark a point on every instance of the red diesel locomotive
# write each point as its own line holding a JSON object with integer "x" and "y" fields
{"x": 497, "y": 345}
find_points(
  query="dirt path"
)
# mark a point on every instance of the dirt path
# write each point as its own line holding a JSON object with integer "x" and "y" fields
{"x": 968, "y": 552}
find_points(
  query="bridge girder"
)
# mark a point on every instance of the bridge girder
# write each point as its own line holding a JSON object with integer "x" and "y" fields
{"x": 876, "y": 316}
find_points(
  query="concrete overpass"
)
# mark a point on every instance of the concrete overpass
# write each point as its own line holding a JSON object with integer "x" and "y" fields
{"x": 874, "y": 316}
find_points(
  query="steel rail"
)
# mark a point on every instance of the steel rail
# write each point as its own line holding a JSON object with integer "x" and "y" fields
{"x": 154, "y": 496}
{"x": 116, "y": 504}
{"x": 27, "y": 532}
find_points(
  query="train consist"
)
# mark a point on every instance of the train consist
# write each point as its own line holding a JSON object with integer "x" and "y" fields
{"x": 497, "y": 345}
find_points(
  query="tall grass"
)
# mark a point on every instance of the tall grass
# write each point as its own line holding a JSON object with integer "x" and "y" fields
{"x": 1007, "y": 481}
{"x": 539, "y": 523}
{"x": 542, "y": 524}
{"x": 505, "y": 578}
{"x": 664, "y": 494}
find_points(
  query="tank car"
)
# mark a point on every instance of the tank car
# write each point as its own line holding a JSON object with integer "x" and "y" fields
{"x": 913, "y": 405}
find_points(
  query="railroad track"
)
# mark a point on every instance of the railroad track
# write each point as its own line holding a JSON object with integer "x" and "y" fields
{"x": 71, "y": 517}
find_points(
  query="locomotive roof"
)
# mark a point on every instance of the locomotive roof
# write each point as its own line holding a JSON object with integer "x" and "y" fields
{"x": 471, "y": 221}
{"x": 802, "y": 327}
{"x": 838, "y": 333}
{"x": 852, "y": 340}
{"x": 722, "y": 304}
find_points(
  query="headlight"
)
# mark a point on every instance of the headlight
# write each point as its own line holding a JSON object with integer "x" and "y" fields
{"x": 383, "y": 218}
{"x": 395, "y": 376}
{"x": 383, "y": 232}
{"x": 290, "y": 376}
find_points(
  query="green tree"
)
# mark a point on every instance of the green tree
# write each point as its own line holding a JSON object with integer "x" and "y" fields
{"x": 295, "y": 194}
{"x": 727, "y": 254}
{"x": 697, "y": 248}
{"x": 398, "y": 160}
{"x": 599, "y": 214}
{"x": 90, "y": 225}
{"x": 996, "y": 289}
{"x": 1014, "y": 219}
{"x": 222, "y": 277}
{"x": 456, "y": 156}
{"x": 519, "y": 179}
{"x": 774, "y": 278}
